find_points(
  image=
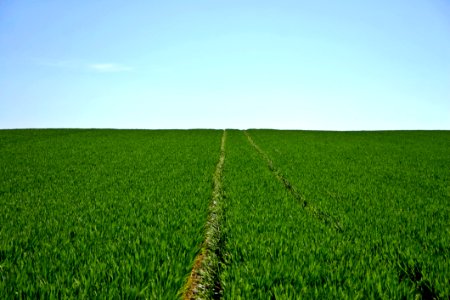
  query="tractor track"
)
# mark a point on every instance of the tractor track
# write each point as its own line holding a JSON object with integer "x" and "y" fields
{"x": 312, "y": 209}
{"x": 203, "y": 281}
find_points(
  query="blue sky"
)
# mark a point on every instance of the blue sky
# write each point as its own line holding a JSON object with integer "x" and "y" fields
{"x": 325, "y": 65}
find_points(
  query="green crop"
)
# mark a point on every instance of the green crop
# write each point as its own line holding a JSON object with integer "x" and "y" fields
{"x": 102, "y": 213}
{"x": 390, "y": 191}
{"x": 161, "y": 214}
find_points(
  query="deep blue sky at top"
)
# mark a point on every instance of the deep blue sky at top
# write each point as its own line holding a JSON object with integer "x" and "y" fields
{"x": 338, "y": 65}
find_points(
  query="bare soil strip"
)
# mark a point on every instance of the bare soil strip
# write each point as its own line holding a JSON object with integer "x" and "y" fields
{"x": 314, "y": 211}
{"x": 203, "y": 282}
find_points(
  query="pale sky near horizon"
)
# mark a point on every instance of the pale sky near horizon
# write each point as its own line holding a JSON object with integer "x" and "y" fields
{"x": 323, "y": 65}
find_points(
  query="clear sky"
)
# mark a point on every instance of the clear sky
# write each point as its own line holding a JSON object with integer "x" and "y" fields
{"x": 336, "y": 65}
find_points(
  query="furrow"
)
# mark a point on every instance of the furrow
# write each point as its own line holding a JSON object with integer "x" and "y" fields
{"x": 203, "y": 281}
{"x": 312, "y": 209}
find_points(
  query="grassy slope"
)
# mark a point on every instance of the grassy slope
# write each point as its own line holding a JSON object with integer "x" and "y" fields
{"x": 102, "y": 212}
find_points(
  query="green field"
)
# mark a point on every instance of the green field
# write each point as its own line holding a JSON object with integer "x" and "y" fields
{"x": 290, "y": 214}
